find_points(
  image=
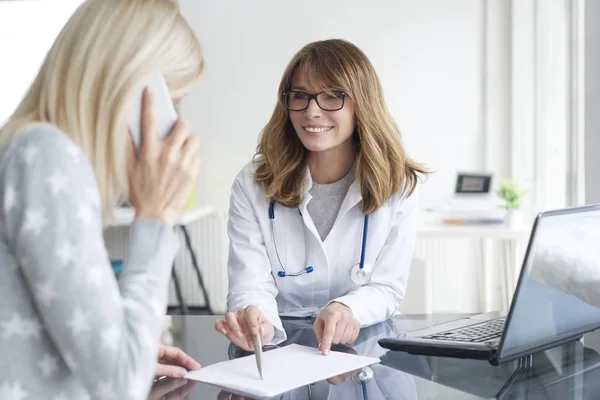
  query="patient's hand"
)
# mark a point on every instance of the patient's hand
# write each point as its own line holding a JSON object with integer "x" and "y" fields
{"x": 174, "y": 362}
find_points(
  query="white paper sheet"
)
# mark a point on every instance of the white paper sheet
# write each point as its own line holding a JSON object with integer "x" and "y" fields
{"x": 284, "y": 369}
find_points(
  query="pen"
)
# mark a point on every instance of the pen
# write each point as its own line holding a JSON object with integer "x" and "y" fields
{"x": 258, "y": 351}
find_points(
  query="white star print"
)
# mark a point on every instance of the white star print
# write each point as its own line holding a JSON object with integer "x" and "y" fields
{"x": 104, "y": 391}
{"x": 21, "y": 327}
{"x": 84, "y": 214}
{"x": 110, "y": 338}
{"x": 96, "y": 249}
{"x": 95, "y": 275}
{"x": 93, "y": 197}
{"x": 66, "y": 253}
{"x": 33, "y": 327}
{"x": 58, "y": 182}
{"x": 157, "y": 308}
{"x": 12, "y": 392}
{"x": 45, "y": 292}
{"x": 48, "y": 365}
{"x": 91, "y": 250}
{"x": 60, "y": 396}
{"x": 116, "y": 297}
{"x": 146, "y": 339}
{"x": 35, "y": 220}
{"x": 28, "y": 153}
{"x": 11, "y": 198}
{"x": 99, "y": 245}
{"x": 73, "y": 151}
{"x": 79, "y": 322}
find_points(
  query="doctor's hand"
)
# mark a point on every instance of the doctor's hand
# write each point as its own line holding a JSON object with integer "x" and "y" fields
{"x": 241, "y": 326}
{"x": 335, "y": 324}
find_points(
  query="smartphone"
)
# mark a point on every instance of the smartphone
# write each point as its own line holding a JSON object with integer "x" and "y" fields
{"x": 164, "y": 110}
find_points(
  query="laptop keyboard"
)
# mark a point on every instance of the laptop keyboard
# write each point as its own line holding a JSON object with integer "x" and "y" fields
{"x": 477, "y": 333}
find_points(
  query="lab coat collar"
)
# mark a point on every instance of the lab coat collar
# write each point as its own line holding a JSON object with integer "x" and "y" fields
{"x": 308, "y": 222}
{"x": 307, "y": 184}
{"x": 353, "y": 197}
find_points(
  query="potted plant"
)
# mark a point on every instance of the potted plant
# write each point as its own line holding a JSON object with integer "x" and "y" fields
{"x": 512, "y": 196}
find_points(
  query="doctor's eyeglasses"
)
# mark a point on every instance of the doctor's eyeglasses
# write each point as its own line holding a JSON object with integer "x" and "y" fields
{"x": 298, "y": 101}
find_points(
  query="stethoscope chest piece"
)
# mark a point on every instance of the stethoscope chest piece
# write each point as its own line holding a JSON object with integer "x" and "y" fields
{"x": 361, "y": 276}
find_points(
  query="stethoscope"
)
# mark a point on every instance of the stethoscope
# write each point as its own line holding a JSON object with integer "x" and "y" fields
{"x": 361, "y": 273}
{"x": 362, "y": 378}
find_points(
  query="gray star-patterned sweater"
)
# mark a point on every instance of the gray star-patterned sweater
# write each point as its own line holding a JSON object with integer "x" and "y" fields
{"x": 68, "y": 328}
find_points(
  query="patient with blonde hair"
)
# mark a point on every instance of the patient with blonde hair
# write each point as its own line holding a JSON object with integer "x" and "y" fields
{"x": 69, "y": 329}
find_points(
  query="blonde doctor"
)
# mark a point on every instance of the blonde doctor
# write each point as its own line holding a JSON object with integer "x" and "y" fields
{"x": 322, "y": 222}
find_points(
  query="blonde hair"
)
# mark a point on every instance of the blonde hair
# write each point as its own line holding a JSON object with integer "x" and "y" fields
{"x": 382, "y": 167}
{"x": 107, "y": 51}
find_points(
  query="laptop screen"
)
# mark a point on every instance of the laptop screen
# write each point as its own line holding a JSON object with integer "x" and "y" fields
{"x": 558, "y": 294}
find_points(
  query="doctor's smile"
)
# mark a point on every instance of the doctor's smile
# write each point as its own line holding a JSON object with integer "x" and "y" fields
{"x": 312, "y": 130}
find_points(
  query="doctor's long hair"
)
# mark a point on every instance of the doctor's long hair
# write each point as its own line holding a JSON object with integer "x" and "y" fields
{"x": 105, "y": 52}
{"x": 382, "y": 166}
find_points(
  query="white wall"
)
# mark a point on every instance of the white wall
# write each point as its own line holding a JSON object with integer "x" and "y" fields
{"x": 592, "y": 101}
{"x": 427, "y": 53}
{"x": 436, "y": 60}
{"x": 592, "y": 118}
{"x": 27, "y": 30}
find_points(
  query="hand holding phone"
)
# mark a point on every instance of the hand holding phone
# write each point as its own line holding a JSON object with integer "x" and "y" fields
{"x": 162, "y": 160}
{"x": 165, "y": 115}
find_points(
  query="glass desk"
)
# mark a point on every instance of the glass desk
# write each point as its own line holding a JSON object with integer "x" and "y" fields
{"x": 571, "y": 371}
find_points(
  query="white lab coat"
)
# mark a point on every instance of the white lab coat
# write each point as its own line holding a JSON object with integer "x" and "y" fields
{"x": 253, "y": 264}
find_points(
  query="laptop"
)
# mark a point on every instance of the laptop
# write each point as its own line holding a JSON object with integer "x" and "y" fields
{"x": 557, "y": 298}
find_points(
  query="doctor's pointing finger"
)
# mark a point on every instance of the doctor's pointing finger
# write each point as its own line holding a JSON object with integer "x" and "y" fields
{"x": 335, "y": 324}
